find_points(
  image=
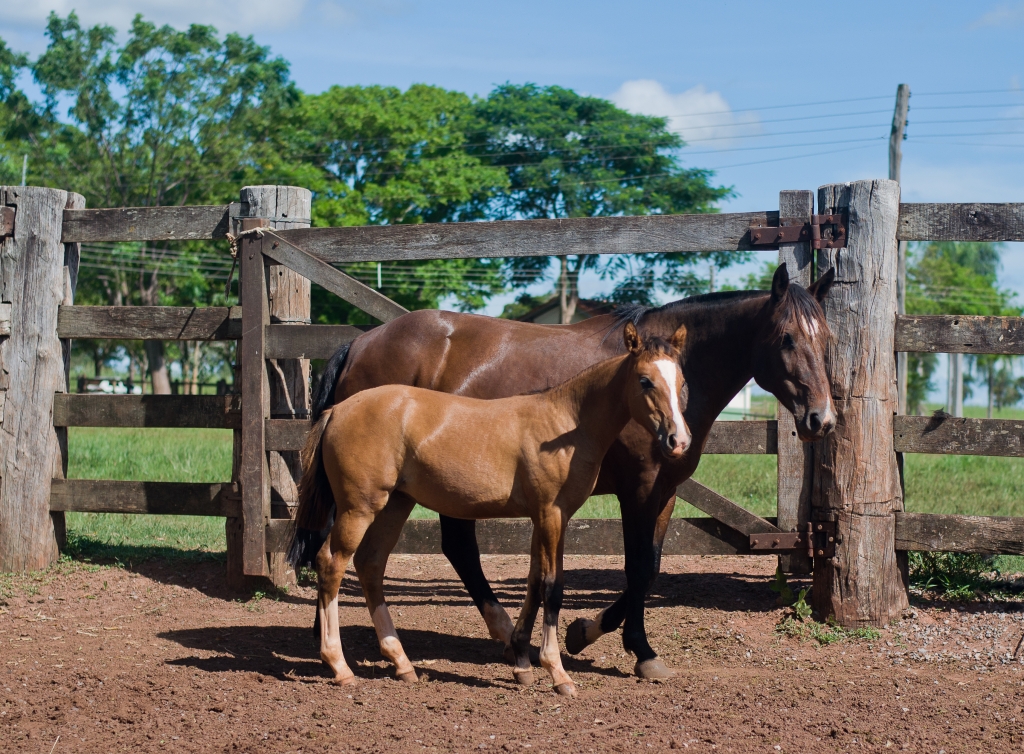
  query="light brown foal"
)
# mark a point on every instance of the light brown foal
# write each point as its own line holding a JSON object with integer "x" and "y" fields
{"x": 534, "y": 456}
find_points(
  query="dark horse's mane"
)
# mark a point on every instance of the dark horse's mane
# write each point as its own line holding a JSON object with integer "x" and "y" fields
{"x": 796, "y": 302}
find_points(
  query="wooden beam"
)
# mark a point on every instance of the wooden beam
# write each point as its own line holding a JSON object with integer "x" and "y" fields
{"x": 286, "y": 434}
{"x": 184, "y": 411}
{"x": 148, "y": 223}
{"x": 743, "y": 437}
{"x": 660, "y": 234}
{"x": 585, "y": 536}
{"x": 337, "y": 282}
{"x": 5, "y": 320}
{"x": 723, "y": 509}
{"x": 987, "y": 535}
{"x": 150, "y": 322}
{"x": 943, "y": 433}
{"x": 164, "y": 498}
{"x": 310, "y": 341}
{"x": 956, "y": 333}
{"x": 254, "y": 474}
{"x": 961, "y": 222}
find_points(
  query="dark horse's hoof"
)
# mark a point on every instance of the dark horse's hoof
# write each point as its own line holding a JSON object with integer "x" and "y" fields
{"x": 523, "y": 677}
{"x": 576, "y": 636}
{"x": 409, "y": 677}
{"x": 654, "y": 670}
{"x": 510, "y": 656}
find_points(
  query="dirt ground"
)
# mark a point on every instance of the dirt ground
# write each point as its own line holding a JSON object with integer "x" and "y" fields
{"x": 163, "y": 657}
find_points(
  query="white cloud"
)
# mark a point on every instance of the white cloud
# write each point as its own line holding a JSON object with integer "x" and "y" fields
{"x": 1008, "y": 14}
{"x": 701, "y": 117}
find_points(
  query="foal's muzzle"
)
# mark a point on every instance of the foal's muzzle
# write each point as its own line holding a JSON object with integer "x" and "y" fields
{"x": 673, "y": 444}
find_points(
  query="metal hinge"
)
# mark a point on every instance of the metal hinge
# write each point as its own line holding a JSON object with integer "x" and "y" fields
{"x": 6, "y": 221}
{"x": 823, "y": 232}
{"x": 818, "y": 539}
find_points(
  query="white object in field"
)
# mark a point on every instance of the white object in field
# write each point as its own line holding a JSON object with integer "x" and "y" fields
{"x": 739, "y": 406}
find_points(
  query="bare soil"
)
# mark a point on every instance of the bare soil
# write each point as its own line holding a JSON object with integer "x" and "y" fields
{"x": 163, "y": 657}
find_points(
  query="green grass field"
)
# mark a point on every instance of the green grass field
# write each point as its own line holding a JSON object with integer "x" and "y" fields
{"x": 976, "y": 485}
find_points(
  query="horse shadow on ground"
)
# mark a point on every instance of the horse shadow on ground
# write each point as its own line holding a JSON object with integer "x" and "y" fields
{"x": 291, "y": 653}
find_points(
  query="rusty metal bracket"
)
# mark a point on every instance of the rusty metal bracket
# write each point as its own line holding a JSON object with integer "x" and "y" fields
{"x": 797, "y": 230}
{"x": 817, "y": 539}
{"x": 6, "y": 221}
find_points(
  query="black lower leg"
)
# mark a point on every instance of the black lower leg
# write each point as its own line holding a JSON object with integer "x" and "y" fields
{"x": 458, "y": 543}
{"x": 613, "y": 615}
{"x": 639, "y": 577}
{"x": 523, "y": 630}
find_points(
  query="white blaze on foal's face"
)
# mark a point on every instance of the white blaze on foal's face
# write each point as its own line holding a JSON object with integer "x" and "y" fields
{"x": 669, "y": 371}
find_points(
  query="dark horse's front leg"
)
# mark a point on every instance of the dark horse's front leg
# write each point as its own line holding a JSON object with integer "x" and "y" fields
{"x": 645, "y": 522}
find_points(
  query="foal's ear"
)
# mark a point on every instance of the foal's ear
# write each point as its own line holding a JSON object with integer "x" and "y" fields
{"x": 632, "y": 337}
{"x": 679, "y": 338}
{"x": 820, "y": 287}
{"x": 780, "y": 282}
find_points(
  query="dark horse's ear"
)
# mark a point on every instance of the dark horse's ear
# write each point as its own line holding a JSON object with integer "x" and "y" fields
{"x": 632, "y": 338}
{"x": 679, "y": 338}
{"x": 780, "y": 283}
{"x": 820, "y": 287}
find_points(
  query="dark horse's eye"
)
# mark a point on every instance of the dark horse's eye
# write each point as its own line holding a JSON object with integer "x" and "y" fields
{"x": 787, "y": 342}
{"x": 646, "y": 384}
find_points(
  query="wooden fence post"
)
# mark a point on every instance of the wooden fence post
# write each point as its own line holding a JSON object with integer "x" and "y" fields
{"x": 855, "y": 478}
{"x": 284, "y": 207}
{"x": 794, "y": 455}
{"x": 32, "y": 369}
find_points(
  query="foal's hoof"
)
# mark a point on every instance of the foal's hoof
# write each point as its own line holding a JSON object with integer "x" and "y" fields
{"x": 409, "y": 677}
{"x": 566, "y": 689}
{"x": 654, "y": 670}
{"x": 576, "y": 636}
{"x": 523, "y": 677}
{"x": 344, "y": 680}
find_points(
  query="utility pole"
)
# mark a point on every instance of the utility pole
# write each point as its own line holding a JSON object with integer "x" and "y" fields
{"x": 896, "y": 137}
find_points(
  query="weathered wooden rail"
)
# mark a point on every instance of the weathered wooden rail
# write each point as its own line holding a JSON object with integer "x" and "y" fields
{"x": 38, "y": 270}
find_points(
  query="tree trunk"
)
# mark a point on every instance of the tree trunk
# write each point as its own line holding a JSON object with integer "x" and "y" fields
{"x": 568, "y": 289}
{"x": 158, "y": 367}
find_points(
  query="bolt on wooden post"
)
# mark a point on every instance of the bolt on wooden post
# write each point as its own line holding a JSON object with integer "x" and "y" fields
{"x": 855, "y": 478}
{"x": 33, "y": 283}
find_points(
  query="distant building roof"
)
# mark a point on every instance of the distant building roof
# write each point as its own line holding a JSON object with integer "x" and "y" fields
{"x": 549, "y": 312}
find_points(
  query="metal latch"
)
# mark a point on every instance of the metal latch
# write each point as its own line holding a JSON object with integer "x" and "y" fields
{"x": 818, "y": 539}
{"x": 798, "y": 230}
{"x": 6, "y": 221}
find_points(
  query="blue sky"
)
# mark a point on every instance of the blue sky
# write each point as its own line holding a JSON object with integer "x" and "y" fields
{"x": 740, "y": 78}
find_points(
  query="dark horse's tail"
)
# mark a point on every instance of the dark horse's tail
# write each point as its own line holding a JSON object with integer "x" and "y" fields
{"x": 313, "y": 527}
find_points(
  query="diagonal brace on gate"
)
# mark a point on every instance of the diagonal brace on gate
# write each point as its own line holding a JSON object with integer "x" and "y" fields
{"x": 723, "y": 509}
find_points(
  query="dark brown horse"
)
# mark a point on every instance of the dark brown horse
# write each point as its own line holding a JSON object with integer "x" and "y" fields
{"x": 776, "y": 337}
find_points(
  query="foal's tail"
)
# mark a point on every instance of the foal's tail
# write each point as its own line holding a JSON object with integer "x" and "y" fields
{"x": 314, "y": 518}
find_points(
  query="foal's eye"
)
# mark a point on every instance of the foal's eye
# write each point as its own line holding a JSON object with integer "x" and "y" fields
{"x": 787, "y": 342}
{"x": 646, "y": 384}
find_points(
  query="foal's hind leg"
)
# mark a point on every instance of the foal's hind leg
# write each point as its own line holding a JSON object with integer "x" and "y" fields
{"x": 331, "y": 561}
{"x": 371, "y": 560}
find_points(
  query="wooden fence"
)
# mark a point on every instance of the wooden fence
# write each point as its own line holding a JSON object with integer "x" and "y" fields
{"x": 848, "y": 483}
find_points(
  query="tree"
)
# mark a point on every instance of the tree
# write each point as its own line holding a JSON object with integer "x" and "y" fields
{"x": 567, "y": 155}
{"x": 380, "y": 156}
{"x": 954, "y": 278}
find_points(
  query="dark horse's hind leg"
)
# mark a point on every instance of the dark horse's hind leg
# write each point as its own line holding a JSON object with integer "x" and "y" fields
{"x": 458, "y": 543}
{"x": 644, "y": 524}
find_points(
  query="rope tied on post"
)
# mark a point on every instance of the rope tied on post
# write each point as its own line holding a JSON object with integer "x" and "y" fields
{"x": 233, "y": 248}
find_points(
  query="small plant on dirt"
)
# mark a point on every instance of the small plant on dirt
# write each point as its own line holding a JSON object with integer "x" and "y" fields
{"x": 954, "y": 575}
{"x": 782, "y": 588}
{"x": 253, "y": 605}
{"x": 800, "y": 607}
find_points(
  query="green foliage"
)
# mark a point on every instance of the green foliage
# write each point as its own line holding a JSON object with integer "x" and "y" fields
{"x": 780, "y": 585}
{"x": 954, "y": 575}
{"x": 523, "y": 304}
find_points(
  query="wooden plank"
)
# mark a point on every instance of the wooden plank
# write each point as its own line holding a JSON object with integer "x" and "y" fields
{"x": 961, "y": 222}
{"x": 951, "y": 435}
{"x": 743, "y": 437}
{"x": 956, "y": 333}
{"x": 286, "y": 434}
{"x": 661, "y": 234}
{"x": 5, "y": 320}
{"x": 183, "y": 411}
{"x": 685, "y": 536}
{"x": 32, "y": 280}
{"x": 162, "y": 498}
{"x": 856, "y": 478}
{"x": 723, "y": 509}
{"x": 254, "y": 474}
{"x": 310, "y": 341}
{"x": 988, "y": 535}
{"x": 148, "y": 223}
{"x": 794, "y": 464}
{"x": 337, "y": 282}
{"x": 150, "y": 322}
